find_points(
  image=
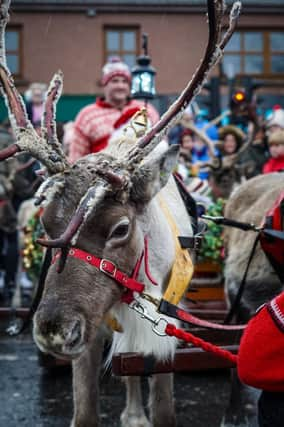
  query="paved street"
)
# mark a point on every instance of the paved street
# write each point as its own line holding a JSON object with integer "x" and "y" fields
{"x": 31, "y": 396}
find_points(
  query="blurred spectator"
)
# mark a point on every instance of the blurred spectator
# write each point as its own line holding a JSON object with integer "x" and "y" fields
{"x": 203, "y": 123}
{"x": 186, "y": 143}
{"x": 275, "y": 121}
{"x": 8, "y": 221}
{"x": 95, "y": 123}
{"x": 67, "y": 136}
{"x": 175, "y": 134}
{"x": 199, "y": 156}
{"x": 276, "y": 149}
{"x": 14, "y": 187}
{"x": 255, "y": 153}
{"x": 35, "y": 96}
{"x": 231, "y": 139}
{"x": 185, "y": 155}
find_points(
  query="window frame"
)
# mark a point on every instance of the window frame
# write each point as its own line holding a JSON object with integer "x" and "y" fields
{"x": 266, "y": 52}
{"x": 120, "y": 28}
{"x": 19, "y": 51}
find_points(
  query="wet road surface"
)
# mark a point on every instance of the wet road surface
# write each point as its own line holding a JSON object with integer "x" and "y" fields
{"x": 32, "y": 396}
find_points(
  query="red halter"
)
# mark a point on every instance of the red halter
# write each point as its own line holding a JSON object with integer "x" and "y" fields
{"x": 109, "y": 268}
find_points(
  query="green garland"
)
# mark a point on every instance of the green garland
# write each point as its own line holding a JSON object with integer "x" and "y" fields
{"x": 32, "y": 252}
{"x": 212, "y": 243}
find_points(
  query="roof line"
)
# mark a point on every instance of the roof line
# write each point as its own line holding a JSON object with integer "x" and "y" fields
{"x": 29, "y": 7}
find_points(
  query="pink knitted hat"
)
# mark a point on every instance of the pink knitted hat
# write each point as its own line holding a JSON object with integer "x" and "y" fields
{"x": 115, "y": 67}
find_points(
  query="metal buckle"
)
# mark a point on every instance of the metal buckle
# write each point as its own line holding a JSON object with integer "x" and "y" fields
{"x": 143, "y": 312}
{"x": 106, "y": 271}
{"x": 197, "y": 242}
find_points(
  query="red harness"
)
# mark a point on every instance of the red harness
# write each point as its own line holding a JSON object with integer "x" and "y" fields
{"x": 133, "y": 285}
{"x": 109, "y": 268}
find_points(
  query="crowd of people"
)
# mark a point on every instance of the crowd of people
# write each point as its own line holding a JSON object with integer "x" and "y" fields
{"x": 259, "y": 146}
{"x": 264, "y": 154}
{"x": 201, "y": 143}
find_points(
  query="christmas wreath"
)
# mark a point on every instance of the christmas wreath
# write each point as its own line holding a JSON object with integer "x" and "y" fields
{"x": 32, "y": 252}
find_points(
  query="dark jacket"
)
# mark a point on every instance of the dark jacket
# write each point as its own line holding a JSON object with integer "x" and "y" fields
{"x": 253, "y": 158}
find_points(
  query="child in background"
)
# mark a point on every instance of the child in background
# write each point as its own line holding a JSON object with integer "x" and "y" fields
{"x": 231, "y": 139}
{"x": 276, "y": 149}
{"x": 185, "y": 155}
{"x": 199, "y": 156}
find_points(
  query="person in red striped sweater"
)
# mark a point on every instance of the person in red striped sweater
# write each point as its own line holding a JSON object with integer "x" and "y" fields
{"x": 95, "y": 123}
{"x": 261, "y": 360}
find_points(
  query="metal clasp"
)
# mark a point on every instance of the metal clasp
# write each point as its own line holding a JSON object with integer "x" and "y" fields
{"x": 143, "y": 312}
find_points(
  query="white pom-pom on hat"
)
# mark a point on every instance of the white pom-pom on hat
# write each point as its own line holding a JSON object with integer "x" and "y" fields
{"x": 115, "y": 67}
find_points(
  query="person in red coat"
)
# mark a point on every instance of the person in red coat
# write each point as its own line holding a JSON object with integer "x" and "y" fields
{"x": 276, "y": 149}
{"x": 261, "y": 360}
{"x": 96, "y": 122}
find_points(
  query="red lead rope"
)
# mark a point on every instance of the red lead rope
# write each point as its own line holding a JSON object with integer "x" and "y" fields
{"x": 171, "y": 330}
{"x": 107, "y": 267}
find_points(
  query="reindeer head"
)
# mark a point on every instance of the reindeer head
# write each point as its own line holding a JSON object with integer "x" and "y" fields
{"x": 108, "y": 224}
{"x": 98, "y": 205}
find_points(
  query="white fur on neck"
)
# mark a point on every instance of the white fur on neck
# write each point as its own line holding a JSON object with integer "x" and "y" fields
{"x": 138, "y": 335}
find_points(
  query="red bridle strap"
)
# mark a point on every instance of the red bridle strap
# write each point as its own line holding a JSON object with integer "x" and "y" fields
{"x": 105, "y": 266}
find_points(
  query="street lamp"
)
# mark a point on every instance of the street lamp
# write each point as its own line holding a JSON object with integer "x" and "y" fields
{"x": 143, "y": 75}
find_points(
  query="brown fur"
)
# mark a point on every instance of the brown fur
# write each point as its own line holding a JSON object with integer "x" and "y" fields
{"x": 250, "y": 204}
{"x": 69, "y": 319}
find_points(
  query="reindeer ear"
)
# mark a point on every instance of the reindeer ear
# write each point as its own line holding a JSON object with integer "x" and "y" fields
{"x": 152, "y": 175}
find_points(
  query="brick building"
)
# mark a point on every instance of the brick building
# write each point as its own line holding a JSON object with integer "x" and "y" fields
{"x": 78, "y": 36}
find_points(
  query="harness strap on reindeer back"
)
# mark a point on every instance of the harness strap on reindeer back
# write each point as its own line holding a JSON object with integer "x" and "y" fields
{"x": 272, "y": 237}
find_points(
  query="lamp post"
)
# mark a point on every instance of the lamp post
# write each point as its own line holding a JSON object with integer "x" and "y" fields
{"x": 143, "y": 75}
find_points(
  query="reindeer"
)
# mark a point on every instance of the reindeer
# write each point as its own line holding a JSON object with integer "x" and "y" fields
{"x": 105, "y": 208}
{"x": 249, "y": 203}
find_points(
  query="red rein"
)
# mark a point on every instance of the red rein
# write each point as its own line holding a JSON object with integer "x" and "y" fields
{"x": 171, "y": 330}
{"x": 132, "y": 285}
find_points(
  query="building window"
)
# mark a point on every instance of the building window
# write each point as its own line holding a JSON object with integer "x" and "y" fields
{"x": 13, "y": 43}
{"x": 255, "y": 53}
{"x": 122, "y": 42}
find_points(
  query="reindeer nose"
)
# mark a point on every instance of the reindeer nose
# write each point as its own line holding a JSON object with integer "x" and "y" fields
{"x": 48, "y": 321}
{"x": 59, "y": 333}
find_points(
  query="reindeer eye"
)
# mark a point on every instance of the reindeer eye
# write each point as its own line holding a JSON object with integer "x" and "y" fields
{"x": 120, "y": 230}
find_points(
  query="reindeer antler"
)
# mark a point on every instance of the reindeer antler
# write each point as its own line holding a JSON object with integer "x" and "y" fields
{"x": 88, "y": 201}
{"x": 234, "y": 15}
{"x": 212, "y": 54}
{"x": 46, "y": 147}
